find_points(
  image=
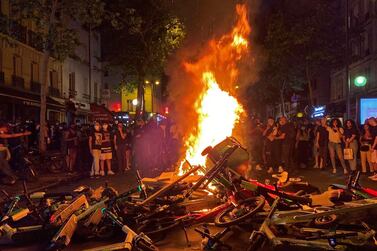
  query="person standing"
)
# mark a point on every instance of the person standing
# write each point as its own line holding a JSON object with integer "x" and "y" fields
{"x": 350, "y": 139}
{"x": 106, "y": 150}
{"x": 321, "y": 143}
{"x": 95, "y": 143}
{"x": 366, "y": 141}
{"x": 303, "y": 143}
{"x": 120, "y": 147}
{"x": 315, "y": 149}
{"x": 71, "y": 140}
{"x": 335, "y": 144}
{"x": 373, "y": 129}
{"x": 287, "y": 137}
{"x": 271, "y": 150}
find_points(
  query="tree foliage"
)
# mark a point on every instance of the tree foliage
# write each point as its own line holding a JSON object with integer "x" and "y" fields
{"x": 148, "y": 32}
{"x": 302, "y": 38}
{"x": 57, "y": 32}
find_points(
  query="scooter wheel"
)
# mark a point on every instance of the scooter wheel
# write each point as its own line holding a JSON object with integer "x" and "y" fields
{"x": 244, "y": 210}
{"x": 325, "y": 220}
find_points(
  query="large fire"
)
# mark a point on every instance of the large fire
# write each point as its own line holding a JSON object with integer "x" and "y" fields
{"x": 218, "y": 111}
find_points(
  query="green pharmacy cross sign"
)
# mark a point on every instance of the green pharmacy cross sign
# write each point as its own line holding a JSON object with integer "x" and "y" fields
{"x": 360, "y": 81}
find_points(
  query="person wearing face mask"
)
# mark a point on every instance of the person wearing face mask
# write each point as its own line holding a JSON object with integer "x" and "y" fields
{"x": 95, "y": 143}
{"x": 106, "y": 150}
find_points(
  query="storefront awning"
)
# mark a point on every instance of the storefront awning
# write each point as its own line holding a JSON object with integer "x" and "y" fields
{"x": 28, "y": 98}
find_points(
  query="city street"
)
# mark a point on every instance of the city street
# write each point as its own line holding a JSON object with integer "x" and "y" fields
{"x": 175, "y": 240}
{"x": 266, "y": 109}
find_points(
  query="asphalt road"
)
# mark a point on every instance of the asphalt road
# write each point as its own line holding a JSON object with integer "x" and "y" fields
{"x": 176, "y": 239}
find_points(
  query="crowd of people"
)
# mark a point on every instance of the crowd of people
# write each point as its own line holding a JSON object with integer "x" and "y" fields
{"x": 102, "y": 148}
{"x": 324, "y": 144}
{"x": 148, "y": 146}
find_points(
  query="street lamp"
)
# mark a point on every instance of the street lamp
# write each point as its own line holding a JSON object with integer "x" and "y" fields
{"x": 360, "y": 81}
{"x": 134, "y": 102}
{"x": 147, "y": 81}
{"x": 157, "y": 82}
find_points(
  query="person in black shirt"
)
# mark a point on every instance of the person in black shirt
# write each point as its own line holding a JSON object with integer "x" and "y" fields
{"x": 287, "y": 137}
{"x": 120, "y": 145}
{"x": 373, "y": 129}
{"x": 271, "y": 147}
{"x": 71, "y": 139}
{"x": 366, "y": 141}
{"x": 350, "y": 137}
{"x": 321, "y": 142}
{"x": 106, "y": 150}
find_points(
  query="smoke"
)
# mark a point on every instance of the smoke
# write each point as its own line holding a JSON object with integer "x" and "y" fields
{"x": 207, "y": 20}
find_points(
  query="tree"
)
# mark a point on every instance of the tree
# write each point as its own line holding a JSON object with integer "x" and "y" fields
{"x": 303, "y": 37}
{"x": 148, "y": 33}
{"x": 52, "y": 19}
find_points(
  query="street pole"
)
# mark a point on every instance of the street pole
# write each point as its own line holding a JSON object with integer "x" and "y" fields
{"x": 348, "y": 89}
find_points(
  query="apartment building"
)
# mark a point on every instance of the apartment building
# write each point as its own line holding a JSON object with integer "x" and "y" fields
{"x": 78, "y": 78}
{"x": 20, "y": 72}
{"x": 363, "y": 58}
{"x": 82, "y": 72}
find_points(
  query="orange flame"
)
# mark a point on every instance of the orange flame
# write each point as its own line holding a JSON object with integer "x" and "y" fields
{"x": 218, "y": 111}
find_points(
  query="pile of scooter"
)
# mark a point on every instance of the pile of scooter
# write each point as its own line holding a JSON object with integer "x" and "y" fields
{"x": 285, "y": 214}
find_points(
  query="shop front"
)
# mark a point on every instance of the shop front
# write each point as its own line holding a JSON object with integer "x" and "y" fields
{"x": 20, "y": 105}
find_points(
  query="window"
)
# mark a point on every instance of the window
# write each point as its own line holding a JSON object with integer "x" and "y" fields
{"x": 34, "y": 72}
{"x": 17, "y": 65}
{"x": 72, "y": 86}
{"x": 54, "y": 79}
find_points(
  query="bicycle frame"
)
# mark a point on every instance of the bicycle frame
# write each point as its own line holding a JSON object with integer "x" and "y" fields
{"x": 354, "y": 187}
{"x": 132, "y": 238}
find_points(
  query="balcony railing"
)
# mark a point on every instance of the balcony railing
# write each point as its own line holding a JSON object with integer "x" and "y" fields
{"x": 19, "y": 32}
{"x": 2, "y": 78}
{"x": 18, "y": 82}
{"x": 35, "y": 87}
{"x": 86, "y": 96}
{"x": 53, "y": 91}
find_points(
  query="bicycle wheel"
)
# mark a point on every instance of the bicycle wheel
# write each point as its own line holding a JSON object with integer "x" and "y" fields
{"x": 245, "y": 209}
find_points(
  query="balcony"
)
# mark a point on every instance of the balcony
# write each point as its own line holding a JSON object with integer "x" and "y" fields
{"x": 2, "y": 79}
{"x": 53, "y": 91}
{"x": 72, "y": 93}
{"x": 35, "y": 87}
{"x": 86, "y": 96}
{"x": 18, "y": 82}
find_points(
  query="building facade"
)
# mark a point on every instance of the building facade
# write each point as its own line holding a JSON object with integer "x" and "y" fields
{"x": 78, "y": 78}
{"x": 82, "y": 73}
{"x": 20, "y": 72}
{"x": 362, "y": 18}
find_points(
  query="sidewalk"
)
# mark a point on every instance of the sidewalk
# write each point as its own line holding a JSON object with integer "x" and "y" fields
{"x": 44, "y": 182}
